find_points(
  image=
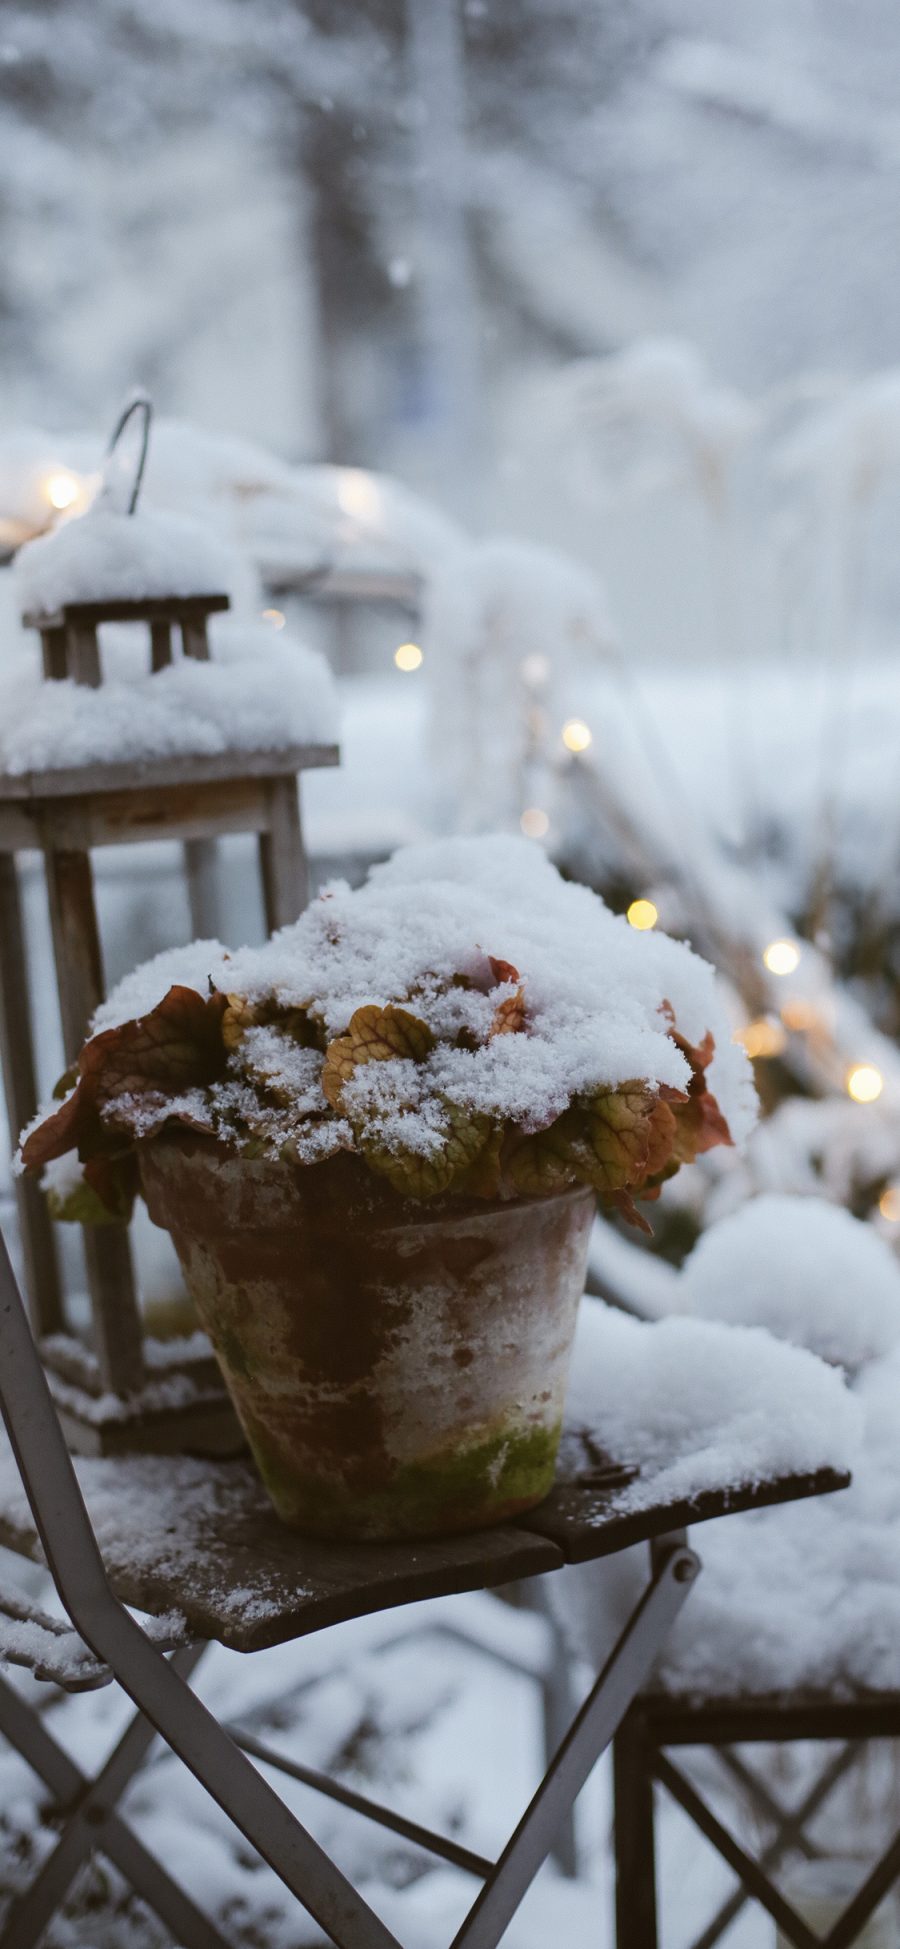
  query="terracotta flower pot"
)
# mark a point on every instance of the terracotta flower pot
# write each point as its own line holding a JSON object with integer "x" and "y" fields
{"x": 399, "y": 1369}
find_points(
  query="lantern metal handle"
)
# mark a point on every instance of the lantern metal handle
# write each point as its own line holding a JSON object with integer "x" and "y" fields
{"x": 140, "y": 403}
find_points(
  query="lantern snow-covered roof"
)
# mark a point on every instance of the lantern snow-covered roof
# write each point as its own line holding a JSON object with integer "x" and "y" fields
{"x": 105, "y": 556}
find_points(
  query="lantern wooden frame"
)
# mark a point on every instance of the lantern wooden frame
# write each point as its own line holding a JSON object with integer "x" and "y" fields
{"x": 107, "y": 1398}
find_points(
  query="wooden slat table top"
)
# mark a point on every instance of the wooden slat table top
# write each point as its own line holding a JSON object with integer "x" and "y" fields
{"x": 732, "y": 1718}
{"x": 395, "y": 588}
{"x": 76, "y": 781}
{"x": 587, "y": 1522}
{"x": 121, "y": 609}
{"x": 199, "y": 1537}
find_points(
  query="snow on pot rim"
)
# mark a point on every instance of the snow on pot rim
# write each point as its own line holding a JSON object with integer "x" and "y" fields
{"x": 466, "y": 1022}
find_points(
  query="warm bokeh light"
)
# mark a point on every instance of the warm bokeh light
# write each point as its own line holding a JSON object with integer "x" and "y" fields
{"x": 642, "y": 914}
{"x": 535, "y": 670}
{"x": 576, "y": 736}
{"x": 764, "y": 1037}
{"x": 534, "y": 822}
{"x": 782, "y": 957}
{"x": 798, "y": 1015}
{"x": 864, "y": 1082}
{"x": 889, "y": 1204}
{"x": 358, "y": 494}
{"x": 276, "y": 617}
{"x": 408, "y": 656}
{"x": 63, "y": 490}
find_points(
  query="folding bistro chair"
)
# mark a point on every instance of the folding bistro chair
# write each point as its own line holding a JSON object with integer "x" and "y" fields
{"x": 210, "y": 1548}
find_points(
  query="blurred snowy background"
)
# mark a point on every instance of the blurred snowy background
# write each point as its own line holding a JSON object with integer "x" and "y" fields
{"x": 538, "y": 362}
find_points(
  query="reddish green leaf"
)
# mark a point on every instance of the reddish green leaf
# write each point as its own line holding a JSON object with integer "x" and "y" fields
{"x": 175, "y": 1046}
{"x": 373, "y": 1035}
{"x": 464, "y": 1137}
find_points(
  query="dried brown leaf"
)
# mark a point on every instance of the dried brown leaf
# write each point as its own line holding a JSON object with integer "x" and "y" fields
{"x": 509, "y": 1015}
{"x": 176, "y": 1046}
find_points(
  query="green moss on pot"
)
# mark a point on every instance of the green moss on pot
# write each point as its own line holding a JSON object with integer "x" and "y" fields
{"x": 494, "y": 1479}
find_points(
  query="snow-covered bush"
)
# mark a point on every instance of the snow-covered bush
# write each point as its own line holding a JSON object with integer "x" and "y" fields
{"x": 514, "y": 633}
{"x": 805, "y": 1269}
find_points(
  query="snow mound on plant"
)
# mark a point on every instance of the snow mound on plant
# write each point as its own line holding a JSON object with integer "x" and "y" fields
{"x": 107, "y": 556}
{"x": 805, "y": 1269}
{"x": 594, "y": 988}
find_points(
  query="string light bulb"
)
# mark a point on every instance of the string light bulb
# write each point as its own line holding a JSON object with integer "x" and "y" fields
{"x": 782, "y": 957}
{"x": 358, "y": 494}
{"x": 408, "y": 656}
{"x": 63, "y": 490}
{"x": 763, "y": 1038}
{"x": 576, "y": 735}
{"x": 798, "y": 1015}
{"x": 864, "y": 1082}
{"x": 534, "y": 822}
{"x": 276, "y": 617}
{"x": 889, "y": 1204}
{"x": 642, "y": 914}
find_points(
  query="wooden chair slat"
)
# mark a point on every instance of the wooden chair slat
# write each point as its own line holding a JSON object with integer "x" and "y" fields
{"x": 200, "y": 1537}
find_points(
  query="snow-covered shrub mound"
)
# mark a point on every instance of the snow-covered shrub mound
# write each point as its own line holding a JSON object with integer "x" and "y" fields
{"x": 805, "y": 1269}
{"x": 467, "y": 1021}
{"x": 258, "y": 692}
{"x": 513, "y": 633}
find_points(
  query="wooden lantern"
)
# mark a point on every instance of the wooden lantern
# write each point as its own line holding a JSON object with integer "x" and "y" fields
{"x": 108, "y": 1396}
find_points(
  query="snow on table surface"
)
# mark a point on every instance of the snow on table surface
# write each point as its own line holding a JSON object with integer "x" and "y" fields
{"x": 33, "y": 1643}
{"x": 699, "y": 1406}
{"x": 792, "y": 1602}
{"x": 258, "y": 692}
{"x": 790, "y": 1599}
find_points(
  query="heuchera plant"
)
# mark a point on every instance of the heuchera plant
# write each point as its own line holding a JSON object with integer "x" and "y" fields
{"x": 267, "y": 1080}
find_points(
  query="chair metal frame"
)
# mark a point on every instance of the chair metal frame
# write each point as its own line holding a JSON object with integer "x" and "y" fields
{"x": 158, "y": 1686}
{"x": 656, "y": 1723}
